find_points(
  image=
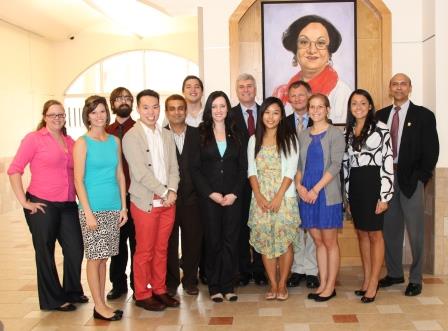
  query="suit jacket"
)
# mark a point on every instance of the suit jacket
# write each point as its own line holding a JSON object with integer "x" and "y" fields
{"x": 292, "y": 121}
{"x": 419, "y": 147}
{"x": 213, "y": 173}
{"x": 237, "y": 116}
{"x": 144, "y": 184}
{"x": 186, "y": 192}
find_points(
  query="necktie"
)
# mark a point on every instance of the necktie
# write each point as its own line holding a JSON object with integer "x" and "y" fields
{"x": 120, "y": 131}
{"x": 250, "y": 123}
{"x": 394, "y": 131}
{"x": 299, "y": 126}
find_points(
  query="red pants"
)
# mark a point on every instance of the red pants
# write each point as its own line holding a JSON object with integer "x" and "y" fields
{"x": 152, "y": 231}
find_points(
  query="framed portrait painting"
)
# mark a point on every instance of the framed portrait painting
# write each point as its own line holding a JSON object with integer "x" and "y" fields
{"x": 313, "y": 41}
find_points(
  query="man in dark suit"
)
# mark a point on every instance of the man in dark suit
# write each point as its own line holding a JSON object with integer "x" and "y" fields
{"x": 245, "y": 115}
{"x": 415, "y": 146}
{"x": 187, "y": 206}
{"x": 304, "y": 266}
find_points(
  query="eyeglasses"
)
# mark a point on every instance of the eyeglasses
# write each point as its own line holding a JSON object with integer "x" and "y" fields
{"x": 303, "y": 42}
{"x": 54, "y": 116}
{"x": 124, "y": 98}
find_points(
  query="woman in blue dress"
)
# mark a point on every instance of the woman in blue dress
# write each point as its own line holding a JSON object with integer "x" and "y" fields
{"x": 319, "y": 187}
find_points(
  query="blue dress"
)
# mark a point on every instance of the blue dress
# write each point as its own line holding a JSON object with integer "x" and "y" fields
{"x": 317, "y": 215}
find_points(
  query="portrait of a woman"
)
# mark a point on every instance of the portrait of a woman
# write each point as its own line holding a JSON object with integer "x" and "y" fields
{"x": 313, "y": 40}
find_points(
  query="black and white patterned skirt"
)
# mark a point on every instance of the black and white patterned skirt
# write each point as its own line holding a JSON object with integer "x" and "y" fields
{"x": 103, "y": 242}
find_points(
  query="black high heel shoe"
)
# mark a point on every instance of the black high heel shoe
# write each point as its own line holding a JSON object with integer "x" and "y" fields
{"x": 365, "y": 299}
{"x": 116, "y": 317}
{"x": 360, "y": 293}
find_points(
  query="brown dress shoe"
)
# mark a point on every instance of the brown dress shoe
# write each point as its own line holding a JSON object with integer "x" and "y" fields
{"x": 150, "y": 304}
{"x": 166, "y": 300}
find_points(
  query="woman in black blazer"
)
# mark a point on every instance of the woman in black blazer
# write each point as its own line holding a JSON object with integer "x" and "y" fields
{"x": 218, "y": 169}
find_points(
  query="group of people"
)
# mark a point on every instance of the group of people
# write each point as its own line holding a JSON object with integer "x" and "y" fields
{"x": 255, "y": 194}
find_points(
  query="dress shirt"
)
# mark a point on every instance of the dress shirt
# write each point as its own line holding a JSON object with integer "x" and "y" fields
{"x": 51, "y": 167}
{"x": 246, "y": 115}
{"x": 402, "y": 117}
{"x": 155, "y": 145}
{"x": 119, "y": 130}
{"x": 305, "y": 119}
{"x": 194, "y": 121}
{"x": 179, "y": 139}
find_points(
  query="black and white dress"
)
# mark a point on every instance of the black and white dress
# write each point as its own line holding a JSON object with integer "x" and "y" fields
{"x": 369, "y": 177}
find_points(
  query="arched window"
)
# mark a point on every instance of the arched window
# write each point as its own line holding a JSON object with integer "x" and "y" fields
{"x": 135, "y": 70}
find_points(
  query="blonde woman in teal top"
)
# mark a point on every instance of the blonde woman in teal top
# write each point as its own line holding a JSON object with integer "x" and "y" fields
{"x": 101, "y": 189}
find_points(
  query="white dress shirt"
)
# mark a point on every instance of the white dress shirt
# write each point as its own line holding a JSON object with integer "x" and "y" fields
{"x": 194, "y": 121}
{"x": 155, "y": 144}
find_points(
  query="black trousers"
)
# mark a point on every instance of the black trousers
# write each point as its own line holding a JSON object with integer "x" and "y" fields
{"x": 250, "y": 261}
{"x": 60, "y": 222}
{"x": 221, "y": 226}
{"x": 189, "y": 221}
{"x": 118, "y": 263}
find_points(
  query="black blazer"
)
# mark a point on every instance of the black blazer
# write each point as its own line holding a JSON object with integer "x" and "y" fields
{"x": 213, "y": 173}
{"x": 237, "y": 116}
{"x": 292, "y": 121}
{"x": 186, "y": 192}
{"x": 419, "y": 147}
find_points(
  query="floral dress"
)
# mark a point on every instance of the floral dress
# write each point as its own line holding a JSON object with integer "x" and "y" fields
{"x": 271, "y": 233}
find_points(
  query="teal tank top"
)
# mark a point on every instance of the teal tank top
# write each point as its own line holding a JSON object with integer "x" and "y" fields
{"x": 100, "y": 174}
{"x": 222, "y": 146}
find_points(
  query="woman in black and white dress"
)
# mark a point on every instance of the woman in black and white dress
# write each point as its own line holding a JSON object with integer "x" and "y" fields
{"x": 368, "y": 177}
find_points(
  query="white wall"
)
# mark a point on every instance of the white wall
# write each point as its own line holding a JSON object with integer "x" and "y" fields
{"x": 26, "y": 82}
{"x": 441, "y": 73}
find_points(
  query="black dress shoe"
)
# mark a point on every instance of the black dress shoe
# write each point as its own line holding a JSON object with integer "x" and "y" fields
{"x": 312, "y": 281}
{"x": 320, "y": 298}
{"x": 260, "y": 278}
{"x": 65, "y": 308}
{"x": 166, "y": 300}
{"x": 203, "y": 279}
{"x": 360, "y": 293}
{"x": 295, "y": 279}
{"x": 150, "y": 303}
{"x": 80, "y": 299}
{"x": 244, "y": 280}
{"x": 115, "y": 317}
{"x": 413, "y": 289}
{"x": 171, "y": 292}
{"x": 115, "y": 293}
{"x": 191, "y": 290}
{"x": 389, "y": 281}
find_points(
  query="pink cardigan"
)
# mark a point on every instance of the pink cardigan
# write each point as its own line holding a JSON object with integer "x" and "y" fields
{"x": 51, "y": 167}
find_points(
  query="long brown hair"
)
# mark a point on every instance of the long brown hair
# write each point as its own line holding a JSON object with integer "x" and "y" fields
{"x": 47, "y": 106}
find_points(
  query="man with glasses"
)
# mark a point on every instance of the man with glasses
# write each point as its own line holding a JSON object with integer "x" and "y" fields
{"x": 121, "y": 101}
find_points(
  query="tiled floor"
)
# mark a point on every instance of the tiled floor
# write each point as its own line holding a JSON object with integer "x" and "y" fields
{"x": 19, "y": 309}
